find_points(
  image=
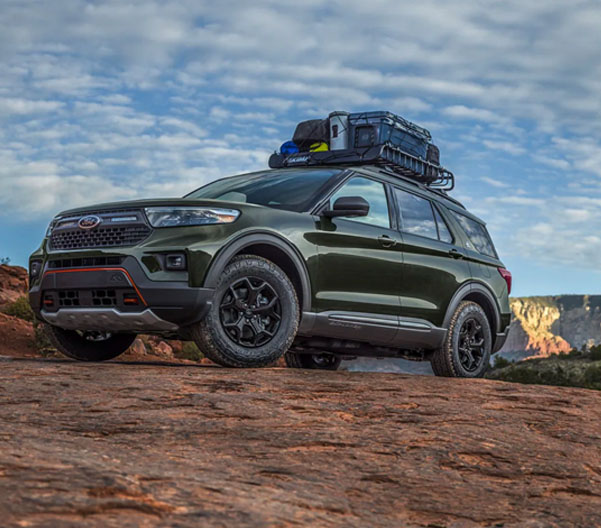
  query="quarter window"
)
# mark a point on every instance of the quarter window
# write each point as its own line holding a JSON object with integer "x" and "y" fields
{"x": 477, "y": 234}
{"x": 374, "y": 193}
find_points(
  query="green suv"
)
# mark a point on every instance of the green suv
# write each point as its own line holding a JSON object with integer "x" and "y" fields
{"x": 316, "y": 264}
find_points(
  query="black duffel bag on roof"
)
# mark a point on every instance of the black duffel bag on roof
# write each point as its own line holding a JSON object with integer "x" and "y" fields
{"x": 309, "y": 132}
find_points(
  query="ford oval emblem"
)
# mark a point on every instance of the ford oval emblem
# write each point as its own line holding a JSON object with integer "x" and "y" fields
{"x": 89, "y": 222}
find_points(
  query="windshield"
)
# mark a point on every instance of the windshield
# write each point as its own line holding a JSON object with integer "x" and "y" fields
{"x": 293, "y": 190}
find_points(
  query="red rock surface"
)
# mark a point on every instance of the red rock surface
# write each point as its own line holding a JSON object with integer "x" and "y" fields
{"x": 13, "y": 283}
{"x": 16, "y": 337}
{"x": 121, "y": 444}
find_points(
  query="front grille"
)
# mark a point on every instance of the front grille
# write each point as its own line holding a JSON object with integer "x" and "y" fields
{"x": 68, "y": 298}
{"x": 124, "y": 299}
{"x": 116, "y": 229}
{"x": 104, "y": 297}
{"x": 86, "y": 262}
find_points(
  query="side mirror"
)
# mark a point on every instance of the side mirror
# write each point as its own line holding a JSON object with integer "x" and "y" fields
{"x": 348, "y": 206}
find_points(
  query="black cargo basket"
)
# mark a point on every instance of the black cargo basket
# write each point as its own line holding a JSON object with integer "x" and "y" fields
{"x": 384, "y": 155}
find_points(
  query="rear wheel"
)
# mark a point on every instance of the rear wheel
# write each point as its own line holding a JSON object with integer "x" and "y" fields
{"x": 254, "y": 315}
{"x": 89, "y": 346}
{"x": 467, "y": 346}
{"x": 322, "y": 361}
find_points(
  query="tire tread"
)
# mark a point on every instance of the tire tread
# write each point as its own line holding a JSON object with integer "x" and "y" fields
{"x": 442, "y": 360}
{"x": 72, "y": 345}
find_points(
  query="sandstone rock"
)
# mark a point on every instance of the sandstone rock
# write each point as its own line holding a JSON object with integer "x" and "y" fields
{"x": 16, "y": 337}
{"x": 117, "y": 444}
{"x": 13, "y": 283}
{"x": 138, "y": 348}
{"x": 157, "y": 347}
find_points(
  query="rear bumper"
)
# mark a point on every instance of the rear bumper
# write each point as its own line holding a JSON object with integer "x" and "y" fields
{"x": 117, "y": 298}
{"x": 500, "y": 341}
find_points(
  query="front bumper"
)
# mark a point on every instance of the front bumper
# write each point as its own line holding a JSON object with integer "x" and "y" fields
{"x": 116, "y": 298}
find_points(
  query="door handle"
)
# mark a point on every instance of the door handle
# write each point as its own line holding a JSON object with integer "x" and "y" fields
{"x": 386, "y": 241}
{"x": 455, "y": 254}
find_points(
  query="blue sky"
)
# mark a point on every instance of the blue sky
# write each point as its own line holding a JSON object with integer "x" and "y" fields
{"x": 118, "y": 100}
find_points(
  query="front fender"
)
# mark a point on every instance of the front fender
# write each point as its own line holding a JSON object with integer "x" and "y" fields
{"x": 225, "y": 255}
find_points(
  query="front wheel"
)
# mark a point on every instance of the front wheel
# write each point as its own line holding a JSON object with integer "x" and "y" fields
{"x": 322, "y": 361}
{"x": 89, "y": 346}
{"x": 254, "y": 315}
{"x": 467, "y": 346}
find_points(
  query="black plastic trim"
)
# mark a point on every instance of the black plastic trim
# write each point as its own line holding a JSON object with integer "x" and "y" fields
{"x": 376, "y": 329}
{"x": 225, "y": 255}
{"x": 500, "y": 340}
{"x": 463, "y": 292}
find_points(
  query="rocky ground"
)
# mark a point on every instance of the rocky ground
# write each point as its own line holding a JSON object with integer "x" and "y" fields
{"x": 157, "y": 440}
{"x": 146, "y": 444}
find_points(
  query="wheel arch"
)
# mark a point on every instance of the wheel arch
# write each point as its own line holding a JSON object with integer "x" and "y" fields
{"x": 272, "y": 247}
{"x": 480, "y": 294}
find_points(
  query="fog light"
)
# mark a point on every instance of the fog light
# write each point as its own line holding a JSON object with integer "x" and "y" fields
{"x": 131, "y": 299}
{"x": 35, "y": 267}
{"x": 175, "y": 262}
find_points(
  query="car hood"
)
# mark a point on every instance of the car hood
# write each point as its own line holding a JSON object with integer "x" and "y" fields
{"x": 159, "y": 202}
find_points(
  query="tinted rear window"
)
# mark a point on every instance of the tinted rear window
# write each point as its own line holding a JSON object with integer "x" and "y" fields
{"x": 477, "y": 234}
{"x": 293, "y": 190}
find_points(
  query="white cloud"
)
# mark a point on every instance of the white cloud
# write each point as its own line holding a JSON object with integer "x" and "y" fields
{"x": 20, "y": 106}
{"x": 495, "y": 183}
{"x": 504, "y": 146}
{"x": 478, "y": 114}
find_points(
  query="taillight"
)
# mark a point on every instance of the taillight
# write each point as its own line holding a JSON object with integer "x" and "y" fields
{"x": 506, "y": 274}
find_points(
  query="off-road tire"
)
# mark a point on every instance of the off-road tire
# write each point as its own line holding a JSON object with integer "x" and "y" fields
{"x": 446, "y": 361}
{"x": 217, "y": 345}
{"x": 312, "y": 361}
{"x": 75, "y": 346}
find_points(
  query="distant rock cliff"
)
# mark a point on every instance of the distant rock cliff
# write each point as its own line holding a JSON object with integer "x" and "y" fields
{"x": 543, "y": 326}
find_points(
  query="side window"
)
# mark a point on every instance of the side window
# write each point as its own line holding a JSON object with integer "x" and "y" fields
{"x": 417, "y": 217}
{"x": 443, "y": 229}
{"x": 477, "y": 234}
{"x": 374, "y": 193}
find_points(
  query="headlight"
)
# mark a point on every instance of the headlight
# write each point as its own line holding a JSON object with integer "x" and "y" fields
{"x": 189, "y": 216}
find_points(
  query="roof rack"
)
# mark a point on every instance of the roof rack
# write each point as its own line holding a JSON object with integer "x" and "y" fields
{"x": 383, "y": 155}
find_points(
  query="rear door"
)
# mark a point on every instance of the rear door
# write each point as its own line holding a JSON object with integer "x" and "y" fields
{"x": 480, "y": 252}
{"x": 434, "y": 263}
{"x": 360, "y": 262}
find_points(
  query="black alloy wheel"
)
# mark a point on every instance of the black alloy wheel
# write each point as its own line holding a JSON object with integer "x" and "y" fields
{"x": 320, "y": 361}
{"x": 324, "y": 361}
{"x": 253, "y": 317}
{"x": 471, "y": 345}
{"x": 250, "y": 312}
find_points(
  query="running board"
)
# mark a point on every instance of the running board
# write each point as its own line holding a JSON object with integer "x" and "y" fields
{"x": 377, "y": 329}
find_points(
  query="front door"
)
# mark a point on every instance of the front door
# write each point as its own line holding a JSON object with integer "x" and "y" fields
{"x": 359, "y": 268}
